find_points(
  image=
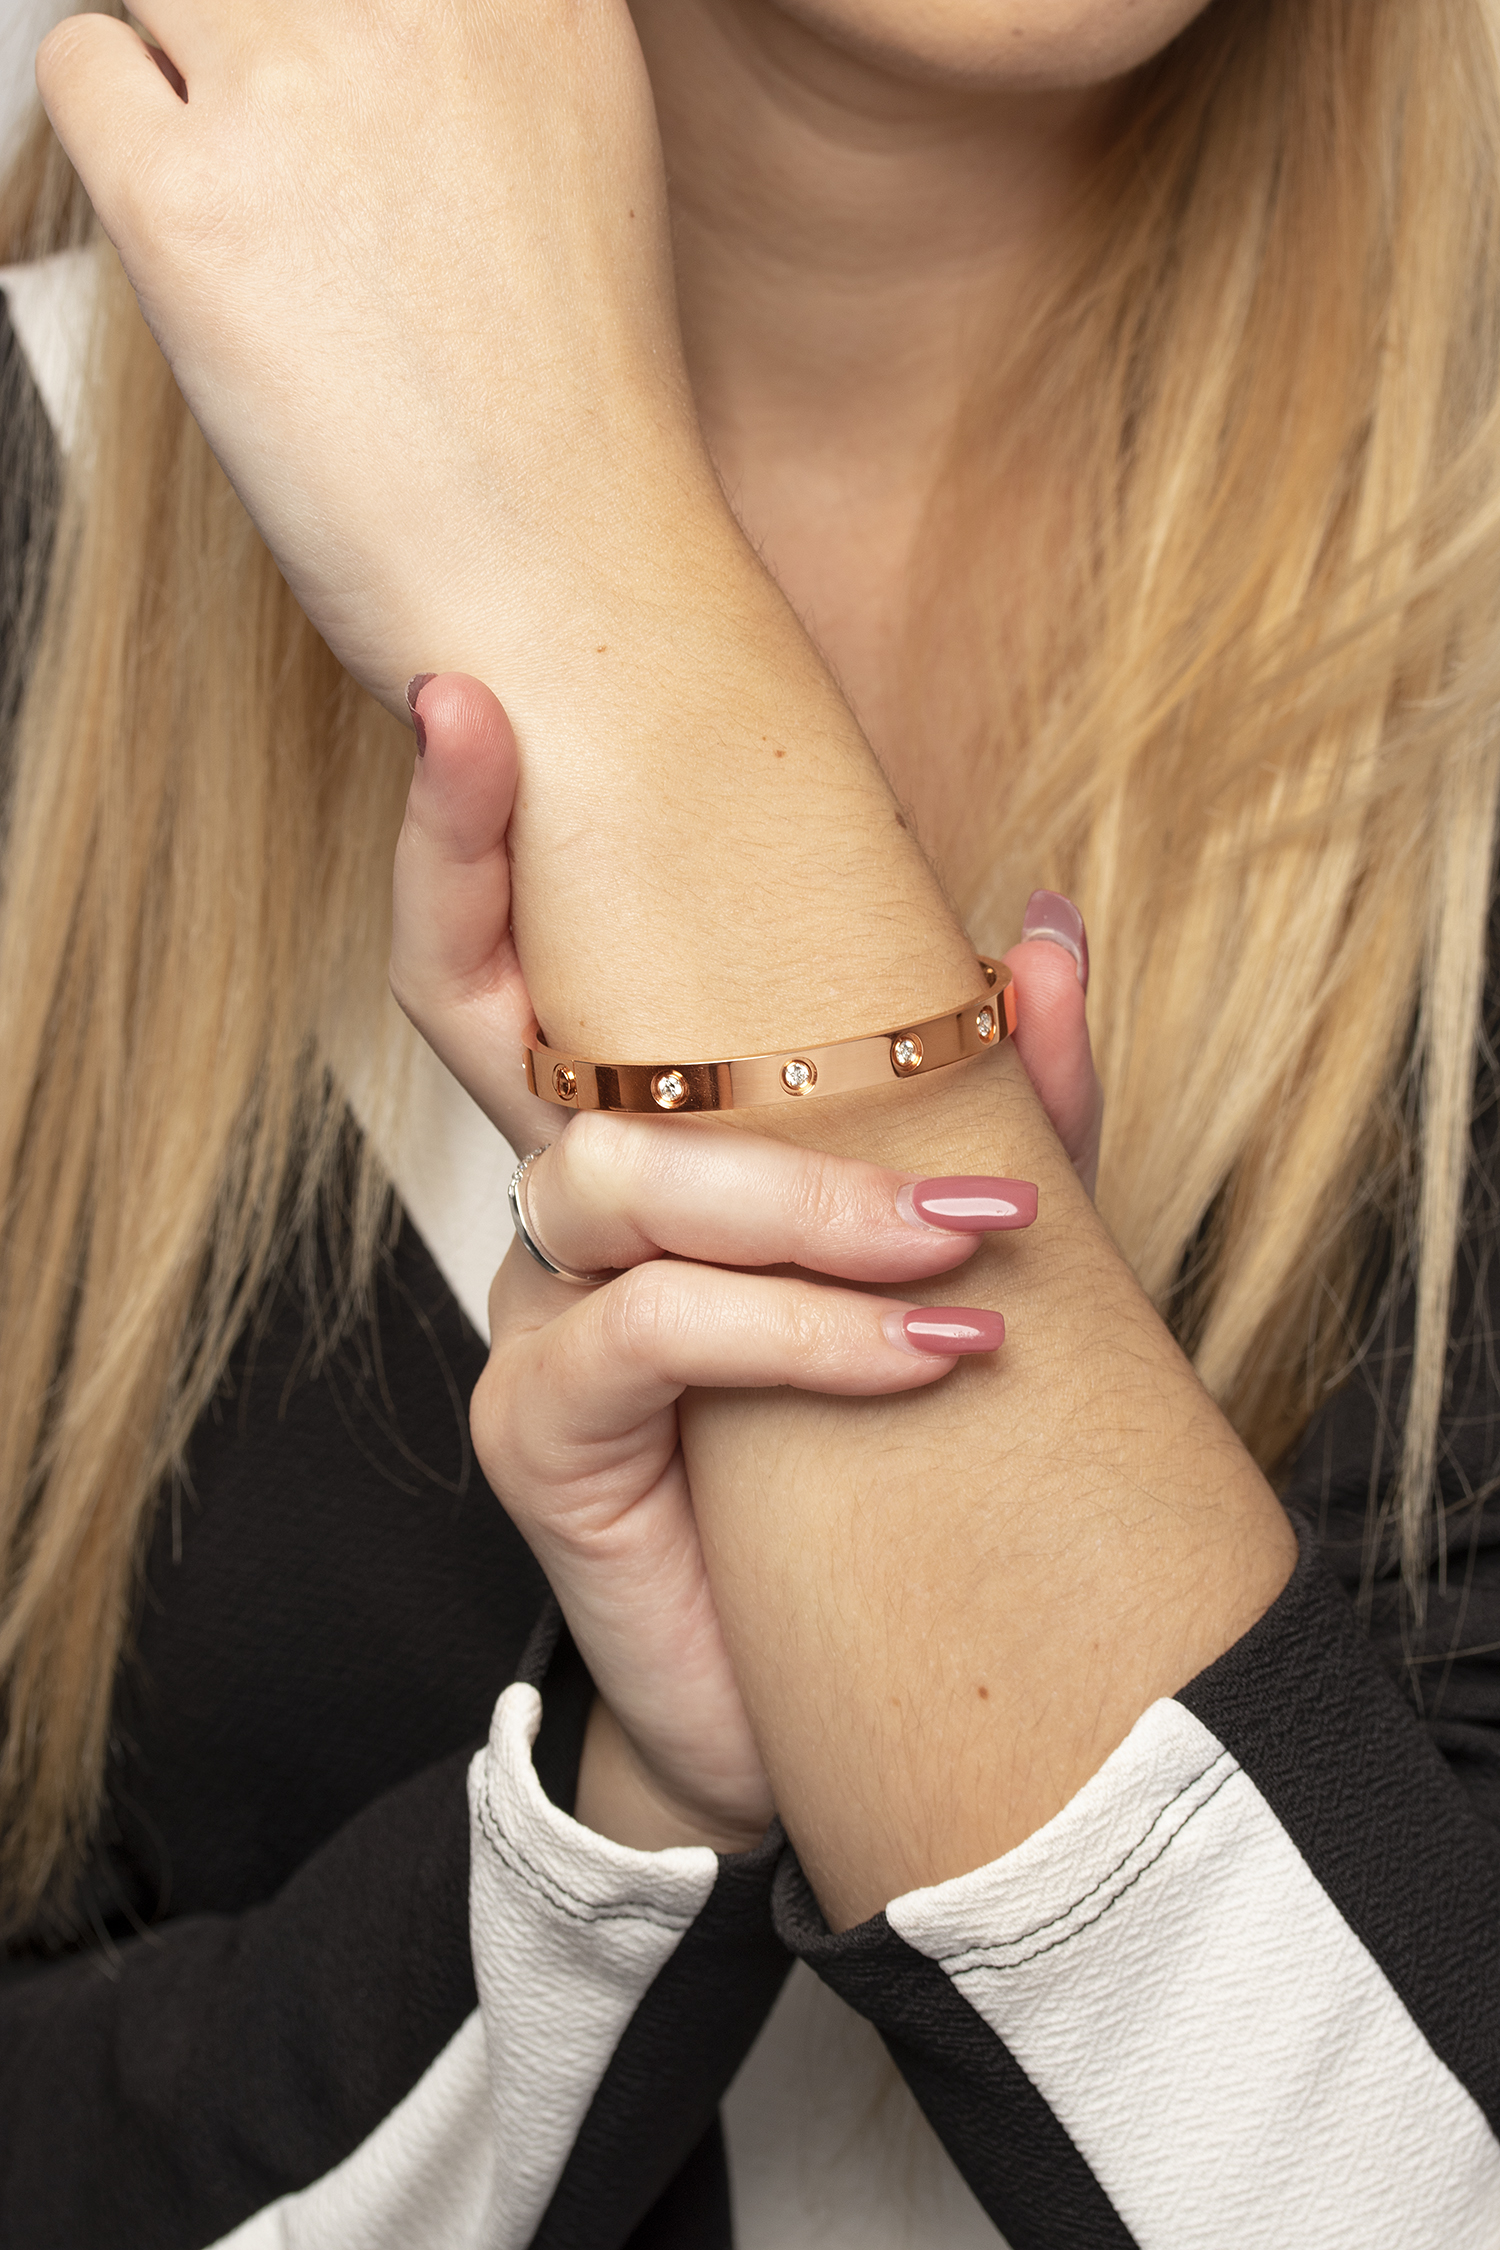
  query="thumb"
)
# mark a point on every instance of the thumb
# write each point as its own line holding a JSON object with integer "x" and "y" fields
{"x": 1050, "y": 967}
{"x": 454, "y": 969}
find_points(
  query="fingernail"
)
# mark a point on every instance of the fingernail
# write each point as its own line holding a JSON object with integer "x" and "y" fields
{"x": 965, "y": 1206}
{"x": 1049, "y": 915}
{"x": 945, "y": 1329}
{"x": 170, "y": 72}
{"x": 414, "y": 687}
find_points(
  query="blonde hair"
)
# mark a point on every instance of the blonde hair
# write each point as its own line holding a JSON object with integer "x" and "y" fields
{"x": 1260, "y": 709}
{"x": 202, "y": 811}
{"x": 1258, "y": 705}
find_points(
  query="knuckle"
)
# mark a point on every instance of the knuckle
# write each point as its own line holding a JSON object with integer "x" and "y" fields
{"x": 824, "y": 1199}
{"x": 497, "y": 1431}
{"x": 608, "y": 1168}
{"x": 585, "y": 1154}
{"x": 637, "y": 1313}
{"x": 489, "y": 1413}
{"x": 808, "y": 1315}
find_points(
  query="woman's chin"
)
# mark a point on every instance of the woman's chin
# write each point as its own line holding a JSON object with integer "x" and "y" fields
{"x": 1024, "y": 46}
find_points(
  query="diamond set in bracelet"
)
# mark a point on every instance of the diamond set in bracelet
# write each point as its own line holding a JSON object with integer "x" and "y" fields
{"x": 842, "y": 1066}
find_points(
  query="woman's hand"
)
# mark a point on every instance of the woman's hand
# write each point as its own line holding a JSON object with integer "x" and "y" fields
{"x": 412, "y": 272}
{"x": 457, "y": 974}
{"x": 575, "y": 1417}
{"x": 575, "y": 1420}
{"x": 410, "y": 269}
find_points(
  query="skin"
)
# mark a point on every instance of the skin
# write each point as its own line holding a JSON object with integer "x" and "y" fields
{"x": 578, "y": 1418}
{"x": 942, "y": 1610}
{"x": 838, "y": 224}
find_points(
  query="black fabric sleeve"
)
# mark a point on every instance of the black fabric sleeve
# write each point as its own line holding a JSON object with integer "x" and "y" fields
{"x": 274, "y": 1943}
{"x": 155, "y": 2094}
{"x": 998, "y": 2128}
{"x": 1294, "y": 1893}
{"x": 1384, "y": 1825}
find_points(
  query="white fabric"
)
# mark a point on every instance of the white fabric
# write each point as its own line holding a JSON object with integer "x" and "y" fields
{"x": 568, "y": 1932}
{"x": 828, "y": 2150}
{"x": 1225, "y": 2053}
{"x": 449, "y": 1165}
{"x": 422, "y": 2181}
{"x": 51, "y": 307}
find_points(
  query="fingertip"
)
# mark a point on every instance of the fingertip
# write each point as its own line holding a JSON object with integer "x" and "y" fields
{"x": 949, "y": 1332}
{"x": 1054, "y": 1048}
{"x": 54, "y": 51}
{"x": 968, "y": 1204}
{"x": 1056, "y": 920}
{"x": 462, "y": 728}
{"x": 1051, "y": 1008}
{"x": 72, "y": 90}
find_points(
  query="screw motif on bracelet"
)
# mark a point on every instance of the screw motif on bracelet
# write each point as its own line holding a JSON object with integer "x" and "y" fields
{"x": 843, "y": 1066}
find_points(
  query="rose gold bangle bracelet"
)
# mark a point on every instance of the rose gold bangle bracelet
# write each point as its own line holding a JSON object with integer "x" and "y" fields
{"x": 911, "y": 1050}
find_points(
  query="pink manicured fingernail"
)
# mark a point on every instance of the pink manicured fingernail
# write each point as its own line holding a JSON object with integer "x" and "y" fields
{"x": 968, "y": 1206}
{"x": 1049, "y": 915}
{"x": 946, "y": 1329}
{"x": 414, "y": 687}
{"x": 170, "y": 72}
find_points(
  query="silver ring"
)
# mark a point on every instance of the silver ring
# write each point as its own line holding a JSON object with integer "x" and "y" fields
{"x": 521, "y": 1222}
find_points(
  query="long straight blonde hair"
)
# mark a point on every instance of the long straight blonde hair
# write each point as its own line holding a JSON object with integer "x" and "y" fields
{"x": 1257, "y": 688}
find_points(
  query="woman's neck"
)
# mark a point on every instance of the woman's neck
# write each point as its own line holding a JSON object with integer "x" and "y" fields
{"x": 842, "y": 226}
{"x": 838, "y": 221}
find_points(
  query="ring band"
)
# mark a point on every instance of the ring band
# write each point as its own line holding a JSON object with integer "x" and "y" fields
{"x": 520, "y": 1220}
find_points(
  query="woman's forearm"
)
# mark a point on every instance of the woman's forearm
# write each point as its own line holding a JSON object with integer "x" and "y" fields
{"x": 945, "y": 1610}
{"x": 708, "y": 859}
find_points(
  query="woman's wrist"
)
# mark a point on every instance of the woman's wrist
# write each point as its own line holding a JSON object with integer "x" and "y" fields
{"x": 619, "y": 1797}
{"x": 707, "y": 856}
{"x": 716, "y": 862}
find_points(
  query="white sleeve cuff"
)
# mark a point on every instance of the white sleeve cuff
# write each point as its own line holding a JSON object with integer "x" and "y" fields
{"x": 1220, "y": 2046}
{"x": 568, "y": 1931}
